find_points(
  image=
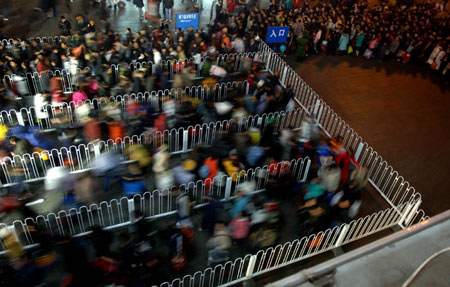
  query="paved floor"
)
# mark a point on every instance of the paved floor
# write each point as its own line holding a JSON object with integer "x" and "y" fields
{"x": 400, "y": 110}
{"x": 25, "y": 21}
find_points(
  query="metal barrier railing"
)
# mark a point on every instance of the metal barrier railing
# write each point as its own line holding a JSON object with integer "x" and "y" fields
{"x": 402, "y": 197}
{"x": 79, "y": 158}
{"x": 39, "y": 83}
{"x": 382, "y": 176}
{"x": 272, "y": 258}
{"x": 43, "y": 116}
{"x": 329, "y": 267}
{"x": 120, "y": 212}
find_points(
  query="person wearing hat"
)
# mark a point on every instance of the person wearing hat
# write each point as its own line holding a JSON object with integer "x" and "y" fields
{"x": 183, "y": 173}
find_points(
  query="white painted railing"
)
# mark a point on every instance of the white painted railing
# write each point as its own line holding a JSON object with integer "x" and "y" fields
{"x": 119, "y": 212}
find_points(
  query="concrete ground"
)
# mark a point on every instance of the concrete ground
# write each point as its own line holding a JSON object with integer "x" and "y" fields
{"x": 25, "y": 21}
{"x": 402, "y": 111}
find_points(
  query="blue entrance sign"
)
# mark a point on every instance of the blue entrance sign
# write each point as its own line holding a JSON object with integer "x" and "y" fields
{"x": 187, "y": 20}
{"x": 277, "y": 35}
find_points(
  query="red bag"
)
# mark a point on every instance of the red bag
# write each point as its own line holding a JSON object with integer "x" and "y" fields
{"x": 8, "y": 203}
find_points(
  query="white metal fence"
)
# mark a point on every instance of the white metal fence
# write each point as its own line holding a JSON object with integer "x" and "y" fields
{"x": 79, "y": 158}
{"x": 404, "y": 200}
{"x": 30, "y": 84}
{"x": 383, "y": 177}
{"x": 240, "y": 269}
{"x": 43, "y": 116}
{"x": 120, "y": 212}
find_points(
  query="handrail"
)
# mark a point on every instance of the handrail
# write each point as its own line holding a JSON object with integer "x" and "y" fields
{"x": 330, "y": 265}
{"x": 392, "y": 187}
{"x": 42, "y": 116}
{"x": 157, "y": 203}
{"x": 37, "y": 83}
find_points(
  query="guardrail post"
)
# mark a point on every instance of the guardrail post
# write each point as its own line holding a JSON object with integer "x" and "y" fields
{"x": 268, "y": 61}
{"x": 341, "y": 236}
{"x": 185, "y": 140}
{"x": 96, "y": 149}
{"x": 20, "y": 118}
{"x": 358, "y": 151}
{"x": 228, "y": 185}
{"x": 412, "y": 212}
{"x": 316, "y": 108}
{"x": 305, "y": 175}
{"x": 319, "y": 114}
{"x": 131, "y": 210}
{"x": 283, "y": 76}
{"x": 251, "y": 266}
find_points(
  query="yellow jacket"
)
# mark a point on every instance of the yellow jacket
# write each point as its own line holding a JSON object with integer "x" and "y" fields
{"x": 232, "y": 170}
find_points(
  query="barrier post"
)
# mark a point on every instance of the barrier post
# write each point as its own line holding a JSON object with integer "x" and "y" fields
{"x": 412, "y": 212}
{"x": 316, "y": 108}
{"x": 305, "y": 176}
{"x": 251, "y": 266}
{"x": 228, "y": 185}
{"x": 283, "y": 76}
{"x": 341, "y": 236}
{"x": 20, "y": 118}
{"x": 185, "y": 140}
{"x": 131, "y": 210}
{"x": 358, "y": 151}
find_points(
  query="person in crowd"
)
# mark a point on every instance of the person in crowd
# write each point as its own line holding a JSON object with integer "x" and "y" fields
{"x": 65, "y": 27}
{"x": 240, "y": 227}
{"x": 168, "y": 5}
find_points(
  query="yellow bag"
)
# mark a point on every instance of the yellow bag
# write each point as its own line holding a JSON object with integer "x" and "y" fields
{"x": 350, "y": 50}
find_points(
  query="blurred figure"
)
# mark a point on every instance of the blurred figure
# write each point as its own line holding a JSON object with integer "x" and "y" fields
{"x": 163, "y": 175}
{"x": 116, "y": 130}
{"x": 221, "y": 239}
{"x": 240, "y": 227}
{"x": 133, "y": 182}
{"x": 86, "y": 189}
{"x": 183, "y": 174}
{"x": 245, "y": 190}
{"x": 107, "y": 164}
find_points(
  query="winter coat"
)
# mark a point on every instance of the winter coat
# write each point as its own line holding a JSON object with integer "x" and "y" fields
{"x": 65, "y": 27}
{"x": 168, "y": 4}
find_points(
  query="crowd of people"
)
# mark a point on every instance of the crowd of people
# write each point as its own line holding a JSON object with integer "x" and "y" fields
{"x": 142, "y": 253}
{"x": 253, "y": 221}
{"x": 417, "y": 33}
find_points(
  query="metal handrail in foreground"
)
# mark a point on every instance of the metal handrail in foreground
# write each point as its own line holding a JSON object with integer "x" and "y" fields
{"x": 331, "y": 265}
